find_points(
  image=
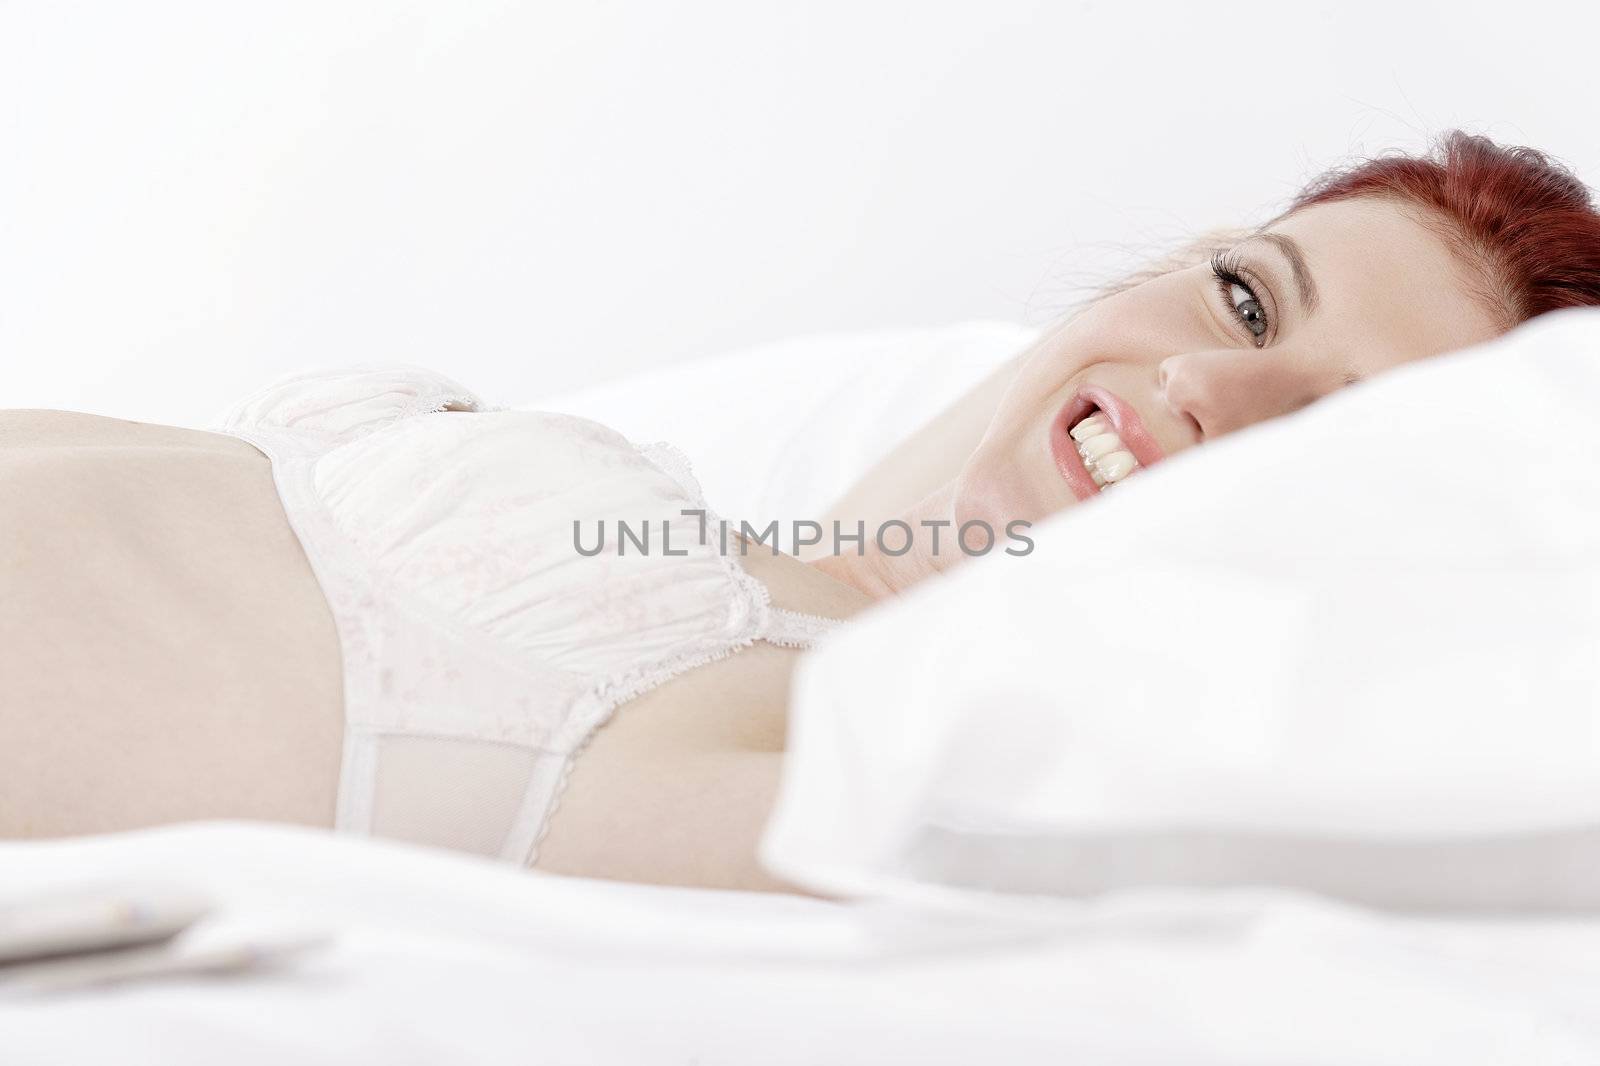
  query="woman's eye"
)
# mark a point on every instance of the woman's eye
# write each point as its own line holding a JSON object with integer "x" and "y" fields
{"x": 1240, "y": 298}
{"x": 1248, "y": 308}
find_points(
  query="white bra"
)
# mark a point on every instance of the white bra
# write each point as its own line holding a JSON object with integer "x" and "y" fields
{"x": 481, "y": 648}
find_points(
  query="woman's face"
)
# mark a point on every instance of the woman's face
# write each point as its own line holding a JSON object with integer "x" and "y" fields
{"x": 1323, "y": 298}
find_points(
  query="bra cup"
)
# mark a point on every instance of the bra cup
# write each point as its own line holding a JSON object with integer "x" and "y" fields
{"x": 482, "y": 519}
{"x": 343, "y": 405}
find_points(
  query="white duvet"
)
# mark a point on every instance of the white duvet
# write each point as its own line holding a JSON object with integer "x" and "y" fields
{"x": 443, "y": 958}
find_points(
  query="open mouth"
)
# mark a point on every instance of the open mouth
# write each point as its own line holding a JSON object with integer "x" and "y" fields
{"x": 1104, "y": 455}
{"x": 1097, "y": 439}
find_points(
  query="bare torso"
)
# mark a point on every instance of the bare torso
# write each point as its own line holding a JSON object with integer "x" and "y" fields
{"x": 166, "y": 652}
{"x": 167, "y": 655}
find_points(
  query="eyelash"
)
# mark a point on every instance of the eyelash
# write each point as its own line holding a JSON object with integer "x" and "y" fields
{"x": 1227, "y": 266}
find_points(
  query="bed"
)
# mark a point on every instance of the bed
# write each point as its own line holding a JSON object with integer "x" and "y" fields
{"x": 441, "y": 958}
{"x": 938, "y": 953}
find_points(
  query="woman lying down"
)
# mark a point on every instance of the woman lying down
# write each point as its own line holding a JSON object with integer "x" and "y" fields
{"x": 372, "y": 601}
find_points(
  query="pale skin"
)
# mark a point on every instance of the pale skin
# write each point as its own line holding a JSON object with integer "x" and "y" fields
{"x": 168, "y": 655}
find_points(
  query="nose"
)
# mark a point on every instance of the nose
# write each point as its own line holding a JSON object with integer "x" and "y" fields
{"x": 1218, "y": 392}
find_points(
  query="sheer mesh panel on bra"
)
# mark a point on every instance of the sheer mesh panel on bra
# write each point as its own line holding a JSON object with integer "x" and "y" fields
{"x": 451, "y": 793}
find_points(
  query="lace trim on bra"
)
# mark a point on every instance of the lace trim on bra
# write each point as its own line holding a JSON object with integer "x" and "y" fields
{"x": 795, "y": 629}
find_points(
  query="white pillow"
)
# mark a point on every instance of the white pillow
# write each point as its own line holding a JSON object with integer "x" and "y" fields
{"x": 780, "y": 431}
{"x": 1355, "y": 651}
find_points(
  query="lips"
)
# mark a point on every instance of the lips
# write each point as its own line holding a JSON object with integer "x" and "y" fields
{"x": 1104, "y": 457}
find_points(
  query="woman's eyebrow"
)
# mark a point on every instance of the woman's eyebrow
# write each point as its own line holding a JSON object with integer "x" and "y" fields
{"x": 1289, "y": 248}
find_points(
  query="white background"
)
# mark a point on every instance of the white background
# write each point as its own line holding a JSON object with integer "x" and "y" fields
{"x": 198, "y": 196}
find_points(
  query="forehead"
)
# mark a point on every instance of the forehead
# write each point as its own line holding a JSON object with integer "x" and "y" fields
{"x": 1387, "y": 282}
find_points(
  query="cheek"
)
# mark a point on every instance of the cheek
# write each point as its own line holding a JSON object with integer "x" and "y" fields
{"x": 1137, "y": 325}
{"x": 1056, "y": 363}
{"x": 1003, "y": 492}
{"x": 1048, "y": 376}
{"x": 1063, "y": 361}
{"x": 1071, "y": 347}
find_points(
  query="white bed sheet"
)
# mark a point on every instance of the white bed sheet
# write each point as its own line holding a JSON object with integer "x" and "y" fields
{"x": 446, "y": 958}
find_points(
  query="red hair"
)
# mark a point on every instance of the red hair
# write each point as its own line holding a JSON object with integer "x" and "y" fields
{"x": 1524, "y": 222}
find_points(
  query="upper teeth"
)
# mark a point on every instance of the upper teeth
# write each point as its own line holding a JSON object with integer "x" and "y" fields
{"x": 1108, "y": 459}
